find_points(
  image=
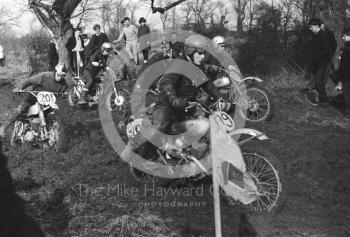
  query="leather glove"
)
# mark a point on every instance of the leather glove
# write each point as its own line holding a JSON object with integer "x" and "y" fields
{"x": 179, "y": 103}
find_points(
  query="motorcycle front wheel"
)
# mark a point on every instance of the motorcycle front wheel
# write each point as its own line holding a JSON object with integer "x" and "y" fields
{"x": 56, "y": 135}
{"x": 269, "y": 176}
{"x": 118, "y": 101}
{"x": 260, "y": 105}
{"x": 73, "y": 98}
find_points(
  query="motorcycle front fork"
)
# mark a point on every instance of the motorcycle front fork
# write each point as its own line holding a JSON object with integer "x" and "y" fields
{"x": 43, "y": 128}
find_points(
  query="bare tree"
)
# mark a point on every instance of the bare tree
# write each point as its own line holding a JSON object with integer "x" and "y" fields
{"x": 55, "y": 17}
{"x": 240, "y": 7}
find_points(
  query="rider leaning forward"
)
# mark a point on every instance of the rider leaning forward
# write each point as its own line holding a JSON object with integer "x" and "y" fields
{"x": 175, "y": 92}
{"x": 46, "y": 81}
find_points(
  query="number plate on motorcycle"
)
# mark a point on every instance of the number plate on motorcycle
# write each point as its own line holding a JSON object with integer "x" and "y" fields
{"x": 46, "y": 98}
{"x": 225, "y": 120}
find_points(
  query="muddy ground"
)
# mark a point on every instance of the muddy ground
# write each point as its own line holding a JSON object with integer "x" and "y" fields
{"x": 81, "y": 192}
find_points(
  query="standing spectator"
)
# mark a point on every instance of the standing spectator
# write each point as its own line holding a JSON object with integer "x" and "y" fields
{"x": 53, "y": 56}
{"x": 343, "y": 73}
{"x": 144, "y": 38}
{"x": 88, "y": 51}
{"x": 98, "y": 39}
{"x": 2, "y": 57}
{"x": 318, "y": 62}
{"x": 175, "y": 46}
{"x": 75, "y": 49}
{"x": 130, "y": 32}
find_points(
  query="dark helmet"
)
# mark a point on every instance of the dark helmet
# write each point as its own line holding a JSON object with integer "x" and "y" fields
{"x": 196, "y": 43}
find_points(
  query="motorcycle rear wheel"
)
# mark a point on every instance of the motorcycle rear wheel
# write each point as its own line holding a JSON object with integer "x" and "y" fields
{"x": 260, "y": 104}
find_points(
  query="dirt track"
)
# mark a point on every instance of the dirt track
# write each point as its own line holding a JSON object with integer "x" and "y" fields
{"x": 67, "y": 193}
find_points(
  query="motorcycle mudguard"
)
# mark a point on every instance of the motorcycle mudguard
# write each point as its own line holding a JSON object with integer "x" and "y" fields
{"x": 251, "y": 80}
{"x": 33, "y": 110}
{"x": 251, "y": 132}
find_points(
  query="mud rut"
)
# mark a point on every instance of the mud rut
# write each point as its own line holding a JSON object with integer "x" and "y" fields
{"x": 65, "y": 190}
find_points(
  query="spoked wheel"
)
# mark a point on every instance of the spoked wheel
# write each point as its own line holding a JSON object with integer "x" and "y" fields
{"x": 144, "y": 178}
{"x": 55, "y": 136}
{"x": 119, "y": 101}
{"x": 16, "y": 130}
{"x": 260, "y": 104}
{"x": 73, "y": 98}
{"x": 268, "y": 175}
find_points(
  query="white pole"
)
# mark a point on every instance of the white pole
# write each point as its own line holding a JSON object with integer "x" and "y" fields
{"x": 216, "y": 192}
{"x": 216, "y": 186}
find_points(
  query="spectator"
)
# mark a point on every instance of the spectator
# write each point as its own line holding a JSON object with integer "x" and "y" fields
{"x": 343, "y": 73}
{"x": 88, "y": 51}
{"x": 318, "y": 62}
{"x": 130, "y": 32}
{"x": 75, "y": 48}
{"x": 175, "y": 46}
{"x": 144, "y": 38}
{"x": 98, "y": 39}
{"x": 53, "y": 56}
{"x": 2, "y": 57}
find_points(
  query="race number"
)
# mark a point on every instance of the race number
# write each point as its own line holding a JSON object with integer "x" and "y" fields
{"x": 226, "y": 121}
{"x": 46, "y": 98}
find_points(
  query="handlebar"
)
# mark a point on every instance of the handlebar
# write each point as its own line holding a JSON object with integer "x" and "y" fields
{"x": 36, "y": 92}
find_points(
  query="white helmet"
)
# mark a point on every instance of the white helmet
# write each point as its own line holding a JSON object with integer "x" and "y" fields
{"x": 107, "y": 46}
{"x": 217, "y": 40}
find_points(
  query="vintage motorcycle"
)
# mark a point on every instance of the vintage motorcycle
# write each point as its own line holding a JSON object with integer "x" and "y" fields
{"x": 118, "y": 99}
{"x": 39, "y": 126}
{"x": 256, "y": 181}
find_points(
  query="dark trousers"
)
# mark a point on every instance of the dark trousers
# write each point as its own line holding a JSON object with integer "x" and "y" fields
{"x": 2, "y": 62}
{"x": 318, "y": 79}
{"x": 145, "y": 54}
{"x": 89, "y": 78}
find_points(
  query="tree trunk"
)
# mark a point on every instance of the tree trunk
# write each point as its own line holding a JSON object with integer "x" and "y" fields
{"x": 239, "y": 17}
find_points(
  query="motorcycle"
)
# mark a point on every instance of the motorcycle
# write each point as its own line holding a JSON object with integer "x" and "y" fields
{"x": 79, "y": 89}
{"x": 257, "y": 103}
{"x": 263, "y": 176}
{"x": 39, "y": 126}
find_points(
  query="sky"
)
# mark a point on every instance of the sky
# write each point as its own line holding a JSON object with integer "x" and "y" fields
{"x": 27, "y": 20}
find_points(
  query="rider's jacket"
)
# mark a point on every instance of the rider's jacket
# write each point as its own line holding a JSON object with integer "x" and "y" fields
{"x": 99, "y": 58}
{"x": 175, "y": 86}
{"x": 44, "y": 81}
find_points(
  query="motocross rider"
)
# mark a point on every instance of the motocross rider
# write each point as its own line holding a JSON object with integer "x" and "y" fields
{"x": 45, "y": 81}
{"x": 219, "y": 43}
{"x": 97, "y": 63}
{"x": 175, "y": 92}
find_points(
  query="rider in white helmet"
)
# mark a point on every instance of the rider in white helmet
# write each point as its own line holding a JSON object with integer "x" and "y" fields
{"x": 219, "y": 43}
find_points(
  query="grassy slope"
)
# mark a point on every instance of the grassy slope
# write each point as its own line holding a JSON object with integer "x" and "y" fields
{"x": 67, "y": 193}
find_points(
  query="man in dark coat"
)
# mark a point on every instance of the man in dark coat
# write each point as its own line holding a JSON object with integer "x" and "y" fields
{"x": 318, "y": 61}
{"x": 75, "y": 47}
{"x": 88, "y": 51}
{"x": 144, "y": 38}
{"x": 343, "y": 73}
{"x": 176, "y": 47}
{"x": 14, "y": 221}
{"x": 97, "y": 39}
